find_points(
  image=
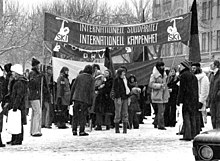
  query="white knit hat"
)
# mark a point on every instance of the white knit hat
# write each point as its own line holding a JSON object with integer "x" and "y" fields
{"x": 17, "y": 68}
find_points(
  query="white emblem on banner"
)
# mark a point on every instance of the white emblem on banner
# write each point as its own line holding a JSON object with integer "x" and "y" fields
{"x": 56, "y": 48}
{"x": 172, "y": 30}
{"x": 62, "y": 35}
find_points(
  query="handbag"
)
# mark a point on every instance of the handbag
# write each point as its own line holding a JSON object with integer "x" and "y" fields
{"x": 14, "y": 122}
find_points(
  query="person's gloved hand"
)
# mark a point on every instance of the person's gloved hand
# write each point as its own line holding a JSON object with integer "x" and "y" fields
{"x": 14, "y": 109}
{"x": 200, "y": 105}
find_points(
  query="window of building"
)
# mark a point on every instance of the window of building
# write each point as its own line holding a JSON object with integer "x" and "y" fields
{"x": 218, "y": 39}
{"x": 167, "y": 5}
{"x": 210, "y": 8}
{"x": 178, "y": 3}
{"x": 166, "y": 50}
{"x": 218, "y": 8}
{"x": 178, "y": 48}
{"x": 204, "y": 10}
{"x": 204, "y": 41}
{"x": 209, "y": 46}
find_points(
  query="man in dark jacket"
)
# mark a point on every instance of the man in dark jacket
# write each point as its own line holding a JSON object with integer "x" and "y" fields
{"x": 82, "y": 93}
{"x": 214, "y": 95}
{"x": 35, "y": 97}
{"x": 17, "y": 97}
{"x": 188, "y": 96}
{"x": 2, "y": 81}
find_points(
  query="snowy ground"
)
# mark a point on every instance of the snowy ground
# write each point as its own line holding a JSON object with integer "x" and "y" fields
{"x": 144, "y": 144}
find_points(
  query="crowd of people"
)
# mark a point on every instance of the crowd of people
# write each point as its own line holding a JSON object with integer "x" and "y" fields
{"x": 112, "y": 100}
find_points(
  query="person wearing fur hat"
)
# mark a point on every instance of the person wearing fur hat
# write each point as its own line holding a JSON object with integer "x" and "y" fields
{"x": 17, "y": 99}
{"x": 188, "y": 96}
{"x": 63, "y": 97}
{"x": 2, "y": 81}
{"x": 34, "y": 97}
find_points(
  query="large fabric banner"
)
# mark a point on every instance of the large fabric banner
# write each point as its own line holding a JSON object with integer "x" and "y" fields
{"x": 86, "y": 55}
{"x": 74, "y": 67}
{"x": 169, "y": 30}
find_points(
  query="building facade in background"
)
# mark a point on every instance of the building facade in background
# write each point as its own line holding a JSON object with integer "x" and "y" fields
{"x": 209, "y": 28}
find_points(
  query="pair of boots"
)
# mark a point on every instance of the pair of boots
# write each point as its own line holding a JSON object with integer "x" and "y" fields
{"x": 1, "y": 144}
{"x": 125, "y": 125}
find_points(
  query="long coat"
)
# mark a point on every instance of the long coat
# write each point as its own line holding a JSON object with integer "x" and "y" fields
{"x": 103, "y": 103}
{"x": 159, "y": 94}
{"x": 2, "y": 82}
{"x": 214, "y": 98}
{"x": 63, "y": 90}
{"x": 188, "y": 93}
{"x": 83, "y": 89}
{"x": 34, "y": 85}
{"x": 18, "y": 96}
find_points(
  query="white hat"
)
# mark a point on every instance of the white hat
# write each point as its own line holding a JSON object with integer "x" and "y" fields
{"x": 17, "y": 68}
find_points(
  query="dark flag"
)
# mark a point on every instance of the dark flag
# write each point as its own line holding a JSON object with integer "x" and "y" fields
{"x": 194, "y": 47}
{"x": 108, "y": 62}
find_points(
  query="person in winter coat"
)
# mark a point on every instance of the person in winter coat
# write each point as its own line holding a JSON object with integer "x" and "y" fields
{"x": 134, "y": 108}
{"x": 35, "y": 80}
{"x": 188, "y": 96}
{"x": 63, "y": 97}
{"x": 121, "y": 94}
{"x": 17, "y": 97}
{"x": 203, "y": 82}
{"x": 104, "y": 105}
{"x": 2, "y": 82}
{"x": 82, "y": 93}
{"x": 159, "y": 93}
{"x": 170, "y": 111}
{"x": 214, "y": 95}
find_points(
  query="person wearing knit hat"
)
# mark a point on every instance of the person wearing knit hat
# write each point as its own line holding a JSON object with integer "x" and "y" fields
{"x": 35, "y": 62}
{"x": 186, "y": 64}
{"x": 35, "y": 79}
{"x": 18, "y": 97}
{"x": 17, "y": 68}
{"x": 188, "y": 96}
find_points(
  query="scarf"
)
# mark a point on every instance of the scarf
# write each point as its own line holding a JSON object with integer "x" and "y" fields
{"x": 126, "y": 86}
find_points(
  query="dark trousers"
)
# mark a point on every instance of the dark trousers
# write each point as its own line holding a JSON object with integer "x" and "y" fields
{"x": 100, "y": 117}
{"x": 170, "y": 114}
{"x": 62, "y": 115}
{"x": 133, "y": 119}
{"x": 189, "y": 122}
{"x": 80, "y": 112}
{"x": 18, "y": 138}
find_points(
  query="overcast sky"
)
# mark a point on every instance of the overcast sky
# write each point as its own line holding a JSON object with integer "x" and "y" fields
{"x": 29, "y": 3}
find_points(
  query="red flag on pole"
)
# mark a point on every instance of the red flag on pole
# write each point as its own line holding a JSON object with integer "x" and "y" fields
{"x": 194, "y": 47}
{"x": 108, "y": 62}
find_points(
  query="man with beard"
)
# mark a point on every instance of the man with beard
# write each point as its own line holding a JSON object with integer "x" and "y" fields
{"x": 159, "y": 93}
{"x": 17, "y": 98}
{"x": 188, "y": 96}
{"x": 63, "y": 97}
{"x": 203, "y": 82}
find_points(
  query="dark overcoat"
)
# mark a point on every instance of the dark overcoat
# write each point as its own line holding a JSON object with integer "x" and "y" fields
{"x": 83, "y": 89}
{"x": 103, "y": 103}
{"x": 2, "y": 82}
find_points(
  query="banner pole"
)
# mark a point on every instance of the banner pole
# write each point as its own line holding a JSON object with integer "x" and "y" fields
{"x": 42, "y": 76}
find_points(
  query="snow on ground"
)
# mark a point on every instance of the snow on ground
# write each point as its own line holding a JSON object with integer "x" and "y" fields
{"x": 145, "y": 143}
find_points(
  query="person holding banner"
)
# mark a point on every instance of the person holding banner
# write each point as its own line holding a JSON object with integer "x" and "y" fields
{"x": 17, "y": 99}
